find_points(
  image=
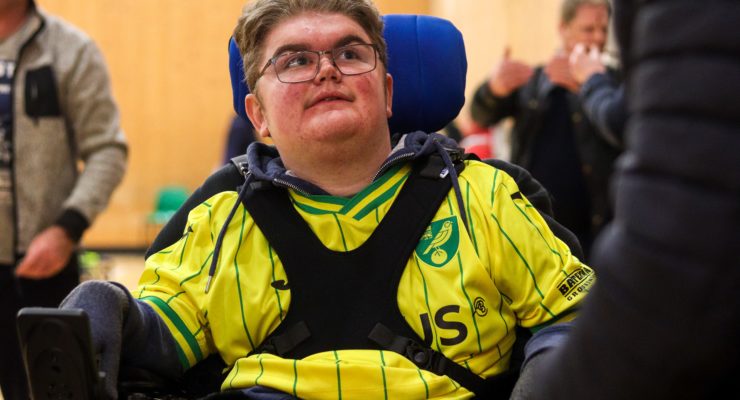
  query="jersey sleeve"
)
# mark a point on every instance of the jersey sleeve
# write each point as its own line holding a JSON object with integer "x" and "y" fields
{"x": 542, "y": 279}
{"x": 174, "y": 280}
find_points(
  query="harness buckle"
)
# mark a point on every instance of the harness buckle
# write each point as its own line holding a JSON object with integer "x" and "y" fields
{"x": 267, "y": 347}
{"x": 425, "y": 358}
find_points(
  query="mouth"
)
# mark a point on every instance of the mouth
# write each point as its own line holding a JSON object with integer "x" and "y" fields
{"x": 327, "y": 98}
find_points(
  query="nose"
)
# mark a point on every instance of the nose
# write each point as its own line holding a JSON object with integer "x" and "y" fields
{"x": 600, "y": 39}
{"x": 328, "y": 69}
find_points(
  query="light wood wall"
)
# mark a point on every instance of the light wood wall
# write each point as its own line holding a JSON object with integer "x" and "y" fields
{"x": 168, "y": 64}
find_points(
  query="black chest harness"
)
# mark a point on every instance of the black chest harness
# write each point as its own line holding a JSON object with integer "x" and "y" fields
{"x": 348, "y": 300}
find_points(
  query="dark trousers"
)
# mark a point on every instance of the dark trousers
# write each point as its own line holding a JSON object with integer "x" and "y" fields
{"x": 253, "y": 393}
{"x": 15, "y": 294}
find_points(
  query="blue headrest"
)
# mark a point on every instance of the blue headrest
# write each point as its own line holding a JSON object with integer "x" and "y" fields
{"x": 426, "y": 57}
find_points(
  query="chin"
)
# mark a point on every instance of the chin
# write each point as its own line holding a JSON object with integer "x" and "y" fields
{"x": 335, "y": 126}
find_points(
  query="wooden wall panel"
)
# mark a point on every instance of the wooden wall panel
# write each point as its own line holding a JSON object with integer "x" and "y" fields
{"x": 168, "y": 65}
{"x": 403, "y": 7}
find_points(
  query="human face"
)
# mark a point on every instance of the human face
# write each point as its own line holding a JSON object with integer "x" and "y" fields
{"x": 588, "y": 27}
{"x": 330, "y": 112}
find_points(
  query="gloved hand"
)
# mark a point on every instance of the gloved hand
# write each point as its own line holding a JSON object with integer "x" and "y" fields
{"x": 119, "y": 322}
{"x": 107, "y": 306}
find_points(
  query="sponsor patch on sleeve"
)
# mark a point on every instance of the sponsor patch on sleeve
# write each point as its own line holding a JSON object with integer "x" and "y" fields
{"x": 577, "y": 283}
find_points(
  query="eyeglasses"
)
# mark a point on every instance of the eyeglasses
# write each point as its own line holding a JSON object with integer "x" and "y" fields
{"x": 302, "y": 66}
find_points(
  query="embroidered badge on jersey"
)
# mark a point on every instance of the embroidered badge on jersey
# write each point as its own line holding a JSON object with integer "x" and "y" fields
{"x": 439, "y": 243}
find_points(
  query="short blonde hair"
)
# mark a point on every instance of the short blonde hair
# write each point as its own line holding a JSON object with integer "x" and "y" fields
{"x": 261, "y": 16}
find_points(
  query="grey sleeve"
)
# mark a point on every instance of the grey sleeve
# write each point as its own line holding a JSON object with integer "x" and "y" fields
{"x": 603, "y": 102}
{"x": 92, "y": 116}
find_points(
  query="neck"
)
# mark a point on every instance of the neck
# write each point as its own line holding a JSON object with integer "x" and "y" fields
{"x": 342, "y": 173}
{"x": 12, "y": 17}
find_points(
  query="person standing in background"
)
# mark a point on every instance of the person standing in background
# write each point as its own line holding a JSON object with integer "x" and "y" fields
{"x": 668, "y": 262}
{"x": 551, "y": 138}
{"x": 56, "y": 111}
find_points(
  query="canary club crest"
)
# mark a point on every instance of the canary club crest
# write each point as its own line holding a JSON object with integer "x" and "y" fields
{"x": 439, "y": 242}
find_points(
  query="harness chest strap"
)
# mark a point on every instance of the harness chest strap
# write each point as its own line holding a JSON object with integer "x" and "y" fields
{"x": 357, "y": 308}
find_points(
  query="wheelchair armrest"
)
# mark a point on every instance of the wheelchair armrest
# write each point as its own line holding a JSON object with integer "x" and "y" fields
{"x": 57, "y": 353}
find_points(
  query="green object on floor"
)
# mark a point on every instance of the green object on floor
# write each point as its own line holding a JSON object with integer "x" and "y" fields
{"x": 89, "y": 259}
{"x": 169, "y": 200}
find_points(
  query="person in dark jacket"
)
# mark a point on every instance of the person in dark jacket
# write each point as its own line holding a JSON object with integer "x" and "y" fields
{"x": 551, "y": 138}
{"x": 668, "y": 262}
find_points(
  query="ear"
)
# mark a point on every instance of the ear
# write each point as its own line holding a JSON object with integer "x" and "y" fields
{"x": 388, "y": 95}
{"x": 254, "y": 111}
{"x": 563, "y": 30}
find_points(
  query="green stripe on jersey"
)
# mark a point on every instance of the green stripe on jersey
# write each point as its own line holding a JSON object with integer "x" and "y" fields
{"x": 519, "y": 254}
{"x": 339, "y": 377}
{"x": 181, "y": 327}
{"x": 379, "y": 200}
{"x": 371, "y": 189}
{"x": 239, "y": 283}
{"x": 376, "y": 194}
{"x": 199, "y": 271}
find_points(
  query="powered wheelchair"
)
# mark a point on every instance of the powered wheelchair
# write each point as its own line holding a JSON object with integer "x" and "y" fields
{"x": 426, "y": 57}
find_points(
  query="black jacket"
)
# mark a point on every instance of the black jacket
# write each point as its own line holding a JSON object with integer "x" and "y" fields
{"x": 663, "y": 320}
{"x": 528, "y": 106}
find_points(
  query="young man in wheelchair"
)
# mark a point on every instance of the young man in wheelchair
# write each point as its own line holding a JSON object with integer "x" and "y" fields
{"x": 341, "y": 263}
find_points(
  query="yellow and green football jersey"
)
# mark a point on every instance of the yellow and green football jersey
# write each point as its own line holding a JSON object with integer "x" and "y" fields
{"x": 472, "y": 288}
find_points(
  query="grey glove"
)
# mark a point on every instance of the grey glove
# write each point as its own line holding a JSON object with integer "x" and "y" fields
{"x": 107, "y": 305}
{"x": 120, "y": 322}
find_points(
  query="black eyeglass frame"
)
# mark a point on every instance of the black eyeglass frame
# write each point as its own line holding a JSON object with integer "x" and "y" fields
{"x": 330, "y": 52}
